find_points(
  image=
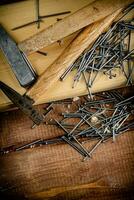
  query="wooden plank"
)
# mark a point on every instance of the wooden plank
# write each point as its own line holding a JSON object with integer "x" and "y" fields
{"x": 16, "y": 14}
{"x": 83, "y": 17}
{"x": 69, "y": 55}
{"x": 63, "y": 90}
{"x": 56, "y": 171}
{"x": 25, "y": 12}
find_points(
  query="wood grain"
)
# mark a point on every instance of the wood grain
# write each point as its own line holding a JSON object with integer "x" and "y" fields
{"x": 72, "y": 23}
{"x": 20, "y": 13}
{"x": 63, "y": 90}
{"x": 69, "y": 55}
{"x": 23, "y": 12}
{"x": 56, "y": 172}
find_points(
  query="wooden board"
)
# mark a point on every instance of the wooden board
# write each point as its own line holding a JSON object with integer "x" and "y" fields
{"x": 83, "y": 41}
{"x": 20, "y": 13}
{"x": 57, "y": 171}
{"x": 89, "y": 14}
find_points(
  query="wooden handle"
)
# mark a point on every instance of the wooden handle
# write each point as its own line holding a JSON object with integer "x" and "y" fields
{"x": 69, "y": 55}
{"x": 70, "y": 24}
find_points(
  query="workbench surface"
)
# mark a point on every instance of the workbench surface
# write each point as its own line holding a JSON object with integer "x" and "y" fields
{"x": 57, "y": 171}
{"x": 16, "y": 14}
{"x": 20, "y": 13}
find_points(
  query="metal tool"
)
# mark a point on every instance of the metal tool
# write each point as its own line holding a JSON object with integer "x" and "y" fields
{"x": 24, "y": 103}
{"x": 18, "y": 61}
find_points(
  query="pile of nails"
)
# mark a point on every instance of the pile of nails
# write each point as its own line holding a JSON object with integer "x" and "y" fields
{"x": 111, "y": 50}
{"x": 106, "y": 116}
{"x": 100, "y": 119}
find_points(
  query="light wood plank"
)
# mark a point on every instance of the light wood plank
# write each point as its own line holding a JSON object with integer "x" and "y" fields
{"x": 20, "y": 13}
{"x": 72, "y": 23}
{"x": 69, "y": 55}
{"x": 63, "y": 90}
